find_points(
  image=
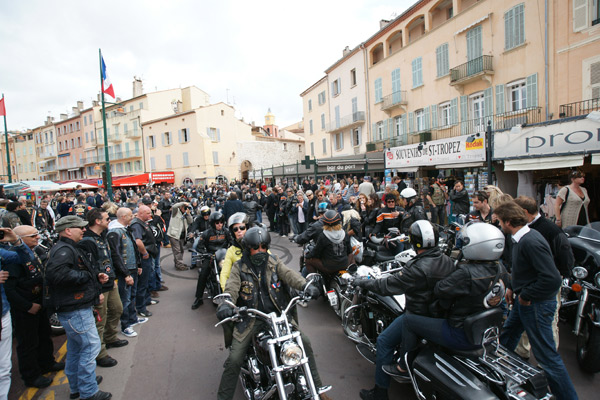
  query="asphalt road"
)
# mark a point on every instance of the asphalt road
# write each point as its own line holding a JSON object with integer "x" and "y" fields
{"x": 179, "y": 354}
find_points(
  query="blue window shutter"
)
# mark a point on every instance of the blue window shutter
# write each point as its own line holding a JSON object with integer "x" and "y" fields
{"x": 373, "y": 132}
{"x": 385, "y": 129}
{"x": 180, "y": 137}
{"x": 508, "y": 29}
{"x": 396, "y": 81}
{"x": 332, "y": 88}
{"x": 438, "y": 60}
{"x": 454, "y": 111}
{"x": 218, "y": 135}
{"x": 532, "y": 91}
{"x": 378, "y": 89}
{"x": 341, "y": 140}
{"x": 464, "y": 114}
{"x": 520, "y": 23}
{"x": 354, "y": 106}
{"x": 488, "y": 102}
{"x": 414, "y": 73}
{"x": 411, "y": 122}
{"x": 499, "y": 99}
{"x": 434, "y": 116}
{"x": 162, "y": 138}
{"x": 446, "y": 59}
{"x": 426, "y": 123}
{"x": 404, "y": 127}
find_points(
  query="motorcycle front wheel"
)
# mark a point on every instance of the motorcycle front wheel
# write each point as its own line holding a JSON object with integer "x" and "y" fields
{"x": 588, "y": 347}
{"x": 351, "y": 322}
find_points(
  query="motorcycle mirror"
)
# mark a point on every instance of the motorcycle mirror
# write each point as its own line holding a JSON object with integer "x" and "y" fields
{"x": 352, "y": 268}
{"x": 222, "y": 298}
{"x": 310, "y": 278}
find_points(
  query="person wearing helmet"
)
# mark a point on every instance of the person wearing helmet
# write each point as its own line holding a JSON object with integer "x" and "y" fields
{"x": 477, "y": 284}
{"x": 214, "y": 238}
{"x": 389, "y": 217}
{"x": 201, "y": 223}
{"x": 251, "y": 208}
{"x": 332, "y": 251}
{"x": 417, "y": 282}
{"x": 314, "y": 229}
{"x": 413, "y": 207}
{"x": 258, "y": 280}
{"x": 238, "y": 225}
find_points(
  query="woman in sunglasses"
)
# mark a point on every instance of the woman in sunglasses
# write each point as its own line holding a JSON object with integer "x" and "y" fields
{"x": 238, "y": 224}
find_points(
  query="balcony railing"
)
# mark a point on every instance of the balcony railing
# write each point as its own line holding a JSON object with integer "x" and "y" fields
{"x": 579, "y": 108}
{"x": 133, "y": 133}
{"x": 470, "y": 69}
{"x": 396, "y": 99}
{"x": 346, "y": 122}
{"x": 394, "y": 141}
{"x": 115, "y": 138}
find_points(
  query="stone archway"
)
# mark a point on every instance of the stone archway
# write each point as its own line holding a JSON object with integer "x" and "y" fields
{"x": 245, "y": 168}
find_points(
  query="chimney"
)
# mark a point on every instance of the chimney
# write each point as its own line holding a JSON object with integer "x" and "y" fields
{"x": 346, "y": 51}
{"x": 138, "y": 88}
{"x": 75, "y": 110}
{"x": 383, "y": 23}
{"x": 80, "y": 105}
{"x": 99, "y": 97}
{"x": 95, "y": 103}
{"x": 118, "y": 100}
{"x": 49, "y": 120}
{"x": 63, "y": 117}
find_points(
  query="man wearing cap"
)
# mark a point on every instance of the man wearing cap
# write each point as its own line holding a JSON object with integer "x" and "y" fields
{"x": 73, "y": 288}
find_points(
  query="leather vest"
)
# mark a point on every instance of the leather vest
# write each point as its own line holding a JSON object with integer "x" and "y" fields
{"x": 147, "y": 237}
{"x": 104, "y": 261}
{"x": 128, "y": 248}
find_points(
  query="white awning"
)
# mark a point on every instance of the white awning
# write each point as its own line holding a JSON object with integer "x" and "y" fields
{"x": 463, "y": 165}
{"x": 528, "y": 164}
{"x": 472, "y": 24}
{"x": 407, "y": 169}
{"x": 596, "y": 158}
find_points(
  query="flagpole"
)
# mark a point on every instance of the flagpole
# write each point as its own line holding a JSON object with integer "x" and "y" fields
{"x": 108, "y": 182}
{"x": 6, "y": 140}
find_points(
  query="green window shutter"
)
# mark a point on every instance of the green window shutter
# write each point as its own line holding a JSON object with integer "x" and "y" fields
{"x": 218, "y": 135}
{"x": 508, "y": 29}
{"x": 404, "y": 126}
{"x": 396, "y": 82}
{"x": 499, "y": 99}
{"x": 414, "y": 73}
{"x": 426, "y": 123}
{"x": 454, "y": 111}
{"x": 438, "y": 60}
{"x": 384, "y": 129}
{"x": 474, "y": 44}
{"x": 532, "y": 91}
{"x": 488, "y": 102}
{"x": 434, "y": 116}
{"x": 378, "y": 90}
{"x": 373, "y": 132}
{"x": 520, "y": 24}
{"x": 464, "y": 114}
{"x": 411, "y": 122}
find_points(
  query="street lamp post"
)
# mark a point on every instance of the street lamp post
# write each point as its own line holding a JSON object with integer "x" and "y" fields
{"x": 488, "y": 148}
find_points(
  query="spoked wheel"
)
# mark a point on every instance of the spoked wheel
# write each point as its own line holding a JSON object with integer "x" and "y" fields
{"x": 351, "y": 321}
{"x": 588, "y": 347}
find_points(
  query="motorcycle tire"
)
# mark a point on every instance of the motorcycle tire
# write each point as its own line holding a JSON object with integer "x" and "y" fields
{"x": 55, "y": 326}
{"x": 588, "y": 347}
{"x": 351, "y": 322}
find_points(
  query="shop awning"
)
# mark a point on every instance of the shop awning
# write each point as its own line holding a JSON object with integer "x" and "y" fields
{"x": 596, "y": 159}
{"x": 407, "y": 169}
{"x": 463, "y": 165}
{"x": 144, "y": 179}
{"x": 529, "y": 164}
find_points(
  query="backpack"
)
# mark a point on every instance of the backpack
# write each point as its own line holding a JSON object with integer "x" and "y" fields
{"x": 438, "y": 196}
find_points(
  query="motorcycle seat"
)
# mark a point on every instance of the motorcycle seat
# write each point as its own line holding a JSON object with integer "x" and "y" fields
{"x": 375, "y": 246}
{"x": 384, "y": 255}
{"x": 475, "y": 325}
{"x": 473, "y": 353}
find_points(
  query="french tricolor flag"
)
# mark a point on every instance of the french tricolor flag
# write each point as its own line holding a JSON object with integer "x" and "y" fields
{"x": 107, "y": 86}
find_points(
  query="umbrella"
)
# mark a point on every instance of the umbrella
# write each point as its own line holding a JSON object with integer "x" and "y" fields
{"x": 73, "y": 185}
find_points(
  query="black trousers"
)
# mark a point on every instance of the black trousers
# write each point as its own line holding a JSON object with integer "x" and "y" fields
{"x": 35, "y": 351}
{"x": 203, "y": 277}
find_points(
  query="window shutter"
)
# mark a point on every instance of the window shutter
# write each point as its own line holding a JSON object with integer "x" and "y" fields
{"x": 580, "y": 15}
{"x": 411, "y": 122}
{"x": 385, "y": 129}
{"x": 438, "y": 60}
{"x": 434, "y": 116}
{"x": 396, "y": 81}
{"x": 378, "y": 89}
{"x": 414, "y": 73}
{"x": 454, "y": 111}
{"x": 337, "y": 116}
{"x": 180, "y": 136}
{"x": 341, "y": 140}
{"x": 373, "y": 132}
{"x": 488, "y": 102}
{"x": 403, "y": 125}
{"x": 162, "y": 139}
{"x": 508, "y": 28}
{"x": 354, "y": 108}
{"x": 333, "y": 88}
{"x": 464, "y": 114}
{"x": 426, "y": 123}
{"x": 499, "y": 99}
{"x": 520, "y": 24}
{"x": 218, "y": 134}
{"x": 532, "y": 91}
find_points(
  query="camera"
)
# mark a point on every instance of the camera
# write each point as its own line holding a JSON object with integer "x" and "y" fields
{"x": 1, "y": 235}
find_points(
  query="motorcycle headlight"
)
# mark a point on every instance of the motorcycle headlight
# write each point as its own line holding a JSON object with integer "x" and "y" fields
{"x": 579, "y": 272}
{"x": 291, "y": 353}
{"x": 597, "y": 279}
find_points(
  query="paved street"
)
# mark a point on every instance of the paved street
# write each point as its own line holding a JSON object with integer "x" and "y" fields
{"x": 179, "y": 354}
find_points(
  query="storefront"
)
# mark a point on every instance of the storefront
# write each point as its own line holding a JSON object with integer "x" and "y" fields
{"x": 535, "y": 160}
{"x": 350, "y": 166}
{"x": 293, "y": 173}
{"x": 153, "y": 178}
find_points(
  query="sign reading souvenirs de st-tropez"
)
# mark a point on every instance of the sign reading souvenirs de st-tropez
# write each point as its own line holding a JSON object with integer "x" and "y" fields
{"x": 456, "y": 150}
{"x": 572, "y": 137}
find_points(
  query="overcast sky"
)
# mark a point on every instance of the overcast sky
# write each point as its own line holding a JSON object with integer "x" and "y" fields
{"x": 258, "y": 54}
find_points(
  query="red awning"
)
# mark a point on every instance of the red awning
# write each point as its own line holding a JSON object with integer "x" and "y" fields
{"x": 143, "y": 179}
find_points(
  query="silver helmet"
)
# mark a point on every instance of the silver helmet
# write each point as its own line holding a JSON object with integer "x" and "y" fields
{"x": 482, "y": 242}
{"x": 237, "y": 218}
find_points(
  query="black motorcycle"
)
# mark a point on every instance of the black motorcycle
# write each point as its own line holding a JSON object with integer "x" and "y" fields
{"x": 213, "y": 283}
{"x": 580, "y": 296}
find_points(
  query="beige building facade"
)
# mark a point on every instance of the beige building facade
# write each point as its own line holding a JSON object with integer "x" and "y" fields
{"x": 315, "y": 106}
{"x": 25, "y": 156}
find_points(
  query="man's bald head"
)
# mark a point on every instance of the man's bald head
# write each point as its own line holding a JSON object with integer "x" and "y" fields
{"x": 144, "y": 213}
{"x": 28, "y": 234}
{"x": 124, "y": 215}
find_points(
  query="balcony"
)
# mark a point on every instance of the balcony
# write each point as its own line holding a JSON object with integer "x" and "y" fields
{"x": 381, "y": 145}
{"x": 394, "y": 100}
{"x": 579, "y": 108}
{"x": 47, "y": 154}
{"x": 134, "y": 133}
{"x": 479, "y": 68}
{"x": 349, "y": 121}
{"x": 124, "y": 155}
{"x": 117, "y": 138}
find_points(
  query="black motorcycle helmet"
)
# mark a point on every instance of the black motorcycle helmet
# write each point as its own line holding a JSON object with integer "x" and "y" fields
{"x": 216, "y": 217}
{"x": 424, "y": 235}
{"x": 255, "y": 237}
{"x": 331, "y": 217}
{"x": 248, "y": 196}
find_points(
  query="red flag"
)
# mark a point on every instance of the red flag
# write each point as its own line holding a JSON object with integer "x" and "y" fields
{"x": 2, "y": 108}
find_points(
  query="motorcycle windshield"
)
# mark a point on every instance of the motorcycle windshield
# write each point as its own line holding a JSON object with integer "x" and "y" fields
{"x": 589, "y": 232}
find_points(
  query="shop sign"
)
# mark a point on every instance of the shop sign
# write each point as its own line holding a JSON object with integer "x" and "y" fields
{"x": 454, "y": 150}
{"x": 572, "y": 137}
{"x": 289, "y": 170}
{"x": 335, "y": 168}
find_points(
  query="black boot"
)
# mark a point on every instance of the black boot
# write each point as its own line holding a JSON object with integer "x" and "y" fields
{"x": 376, "y": 393}
{"x": 197, "y": 303}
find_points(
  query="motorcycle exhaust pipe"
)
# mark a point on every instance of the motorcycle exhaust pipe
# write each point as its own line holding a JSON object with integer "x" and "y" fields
{"x": 580, "y": 310}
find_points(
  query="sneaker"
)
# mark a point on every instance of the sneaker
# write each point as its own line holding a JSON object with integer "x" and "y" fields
{"x": 153, "y": 302}
{"x": 144, "y": 314}
{"x": 129, "y": 332}
{"x": 140, "y": 321}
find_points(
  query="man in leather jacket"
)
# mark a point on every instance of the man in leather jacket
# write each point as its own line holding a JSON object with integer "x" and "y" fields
{"x": 413, "y": 207}
{"x": 73, "y": 288}
{"x": 417, "y": 282}
{"x": 268, "y": 294}
{"x": 389, "y": 217}
{"x": 251, "y": 207}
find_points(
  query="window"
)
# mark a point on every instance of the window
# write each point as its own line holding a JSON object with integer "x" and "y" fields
{"x": 336, "y": 87}
{"x": 379, "y": 131}
{"x": 215, "y": 157}
{"x": 186, "y": 160}
{"x": 353, "y": 77}
{"x": 398, "y": 125}
{"x": 168, "y": 161}
{"x": 450, "y": 12}
{"x": 152, "y": 164}
{"x": 420, "y": 119}
{"x": 79, "y": 141}
{"x": 322, "y": 122}
{"x": 285, "y": 147}
{"x": 322, "y": 98}
{"x": 214, "y": 134}
{"x": 417, "y": 72}
{"x": 128, "y": 166}
{"x": 337, "y": 116}
{"x": 222, "y": 113}
{"x": 135, "y": 127}
{"x": 310, "y": 127}
{"x": 309, "y": 105}
{"x": 151, "y": 142}
{"x": 141, "y": 106}
{"x": 339, "y": 140}
{"x": 116, "y": 128}
{"x": 184, "y": 136}
{"x": 355, "y": 137}
{"x": 77, "y": 125}
{"x": 324, "y": 146}
{"x": 70, "y": 127}
{"x": 477, "y": 109}
{"x": 137, "y": 148}
{"x": 444, "y": 114}
{"x": 138, "y": 164}
{"x": 299, "y": 148}
{"x": 119, "y": 168}
{"x": 87, "y": 137}
{"x": 594, "y": 80}
{"x": 441, "y": 57}
{"x": 312, "y": 149}
{"x": 167, "y": 140}
{"x": 517, "y": 95}
{"x": 514, "y": 27}
{"x": 378, "y": 91}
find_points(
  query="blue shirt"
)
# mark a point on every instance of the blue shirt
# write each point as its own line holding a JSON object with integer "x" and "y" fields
{"x": 17, "y": 255}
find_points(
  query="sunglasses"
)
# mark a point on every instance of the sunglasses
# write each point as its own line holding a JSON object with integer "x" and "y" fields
{"x": 238, "y": 228}
{"x": 260, "y": 246}
{"x": 31, "y": 235}
{"x": 219, "y": 223}
{"x": 390, "y": 201}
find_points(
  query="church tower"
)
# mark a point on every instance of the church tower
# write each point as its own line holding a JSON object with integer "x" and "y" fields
{"x": 270, "y": 127}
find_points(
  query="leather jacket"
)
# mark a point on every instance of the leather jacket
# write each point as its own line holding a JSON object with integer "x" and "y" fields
{"x": 463, "y": 291}
{"x": 212, "y": 240}
{"x": 417, "y": 281}
{"x": 251, "y": 208}
{"x": 385, "y": 220}
{"x": 413, "y": 213}
{"x": 71, "y": 279}
{"x": 98, "y": 249}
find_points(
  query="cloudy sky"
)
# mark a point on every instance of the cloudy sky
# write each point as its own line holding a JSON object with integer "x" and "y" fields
{"x": 255, "y": 53}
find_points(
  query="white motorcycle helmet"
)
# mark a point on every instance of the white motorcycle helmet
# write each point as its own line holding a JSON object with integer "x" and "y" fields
{"x": 482, "y": 242}
{"x": 408, "y": 193}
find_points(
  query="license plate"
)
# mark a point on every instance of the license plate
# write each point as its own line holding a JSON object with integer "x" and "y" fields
{"x": 333, "y": 300}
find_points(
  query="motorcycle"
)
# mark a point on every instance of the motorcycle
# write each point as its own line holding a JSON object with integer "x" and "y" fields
{"x": 489, "y": 371}
{"x": 213, "y": 283}
{"x": 276, "y": 362}
{"x": 580, "y": 294}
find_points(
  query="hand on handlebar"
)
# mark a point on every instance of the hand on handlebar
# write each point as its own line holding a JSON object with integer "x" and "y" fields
{"x": 312, "y": 292}
{"x": 224, "y": 311}
{"x": 361, "y": 282}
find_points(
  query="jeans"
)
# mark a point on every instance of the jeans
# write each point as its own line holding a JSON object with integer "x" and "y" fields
{"x": 5, "y": 356}
{"x": 438, "y": 214}
{"x": 157, "y": 269}
{"x": 127, "y": 294}
{"x": 259, "y": 217}
{"x": 110, "y": 312}
{"x": 294, "y": 224}
{"x": 536, "y": 320}
{"x": 142, "y": 297}
{"x": 387, "y": 342}
{"x": 83, "y": 346}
